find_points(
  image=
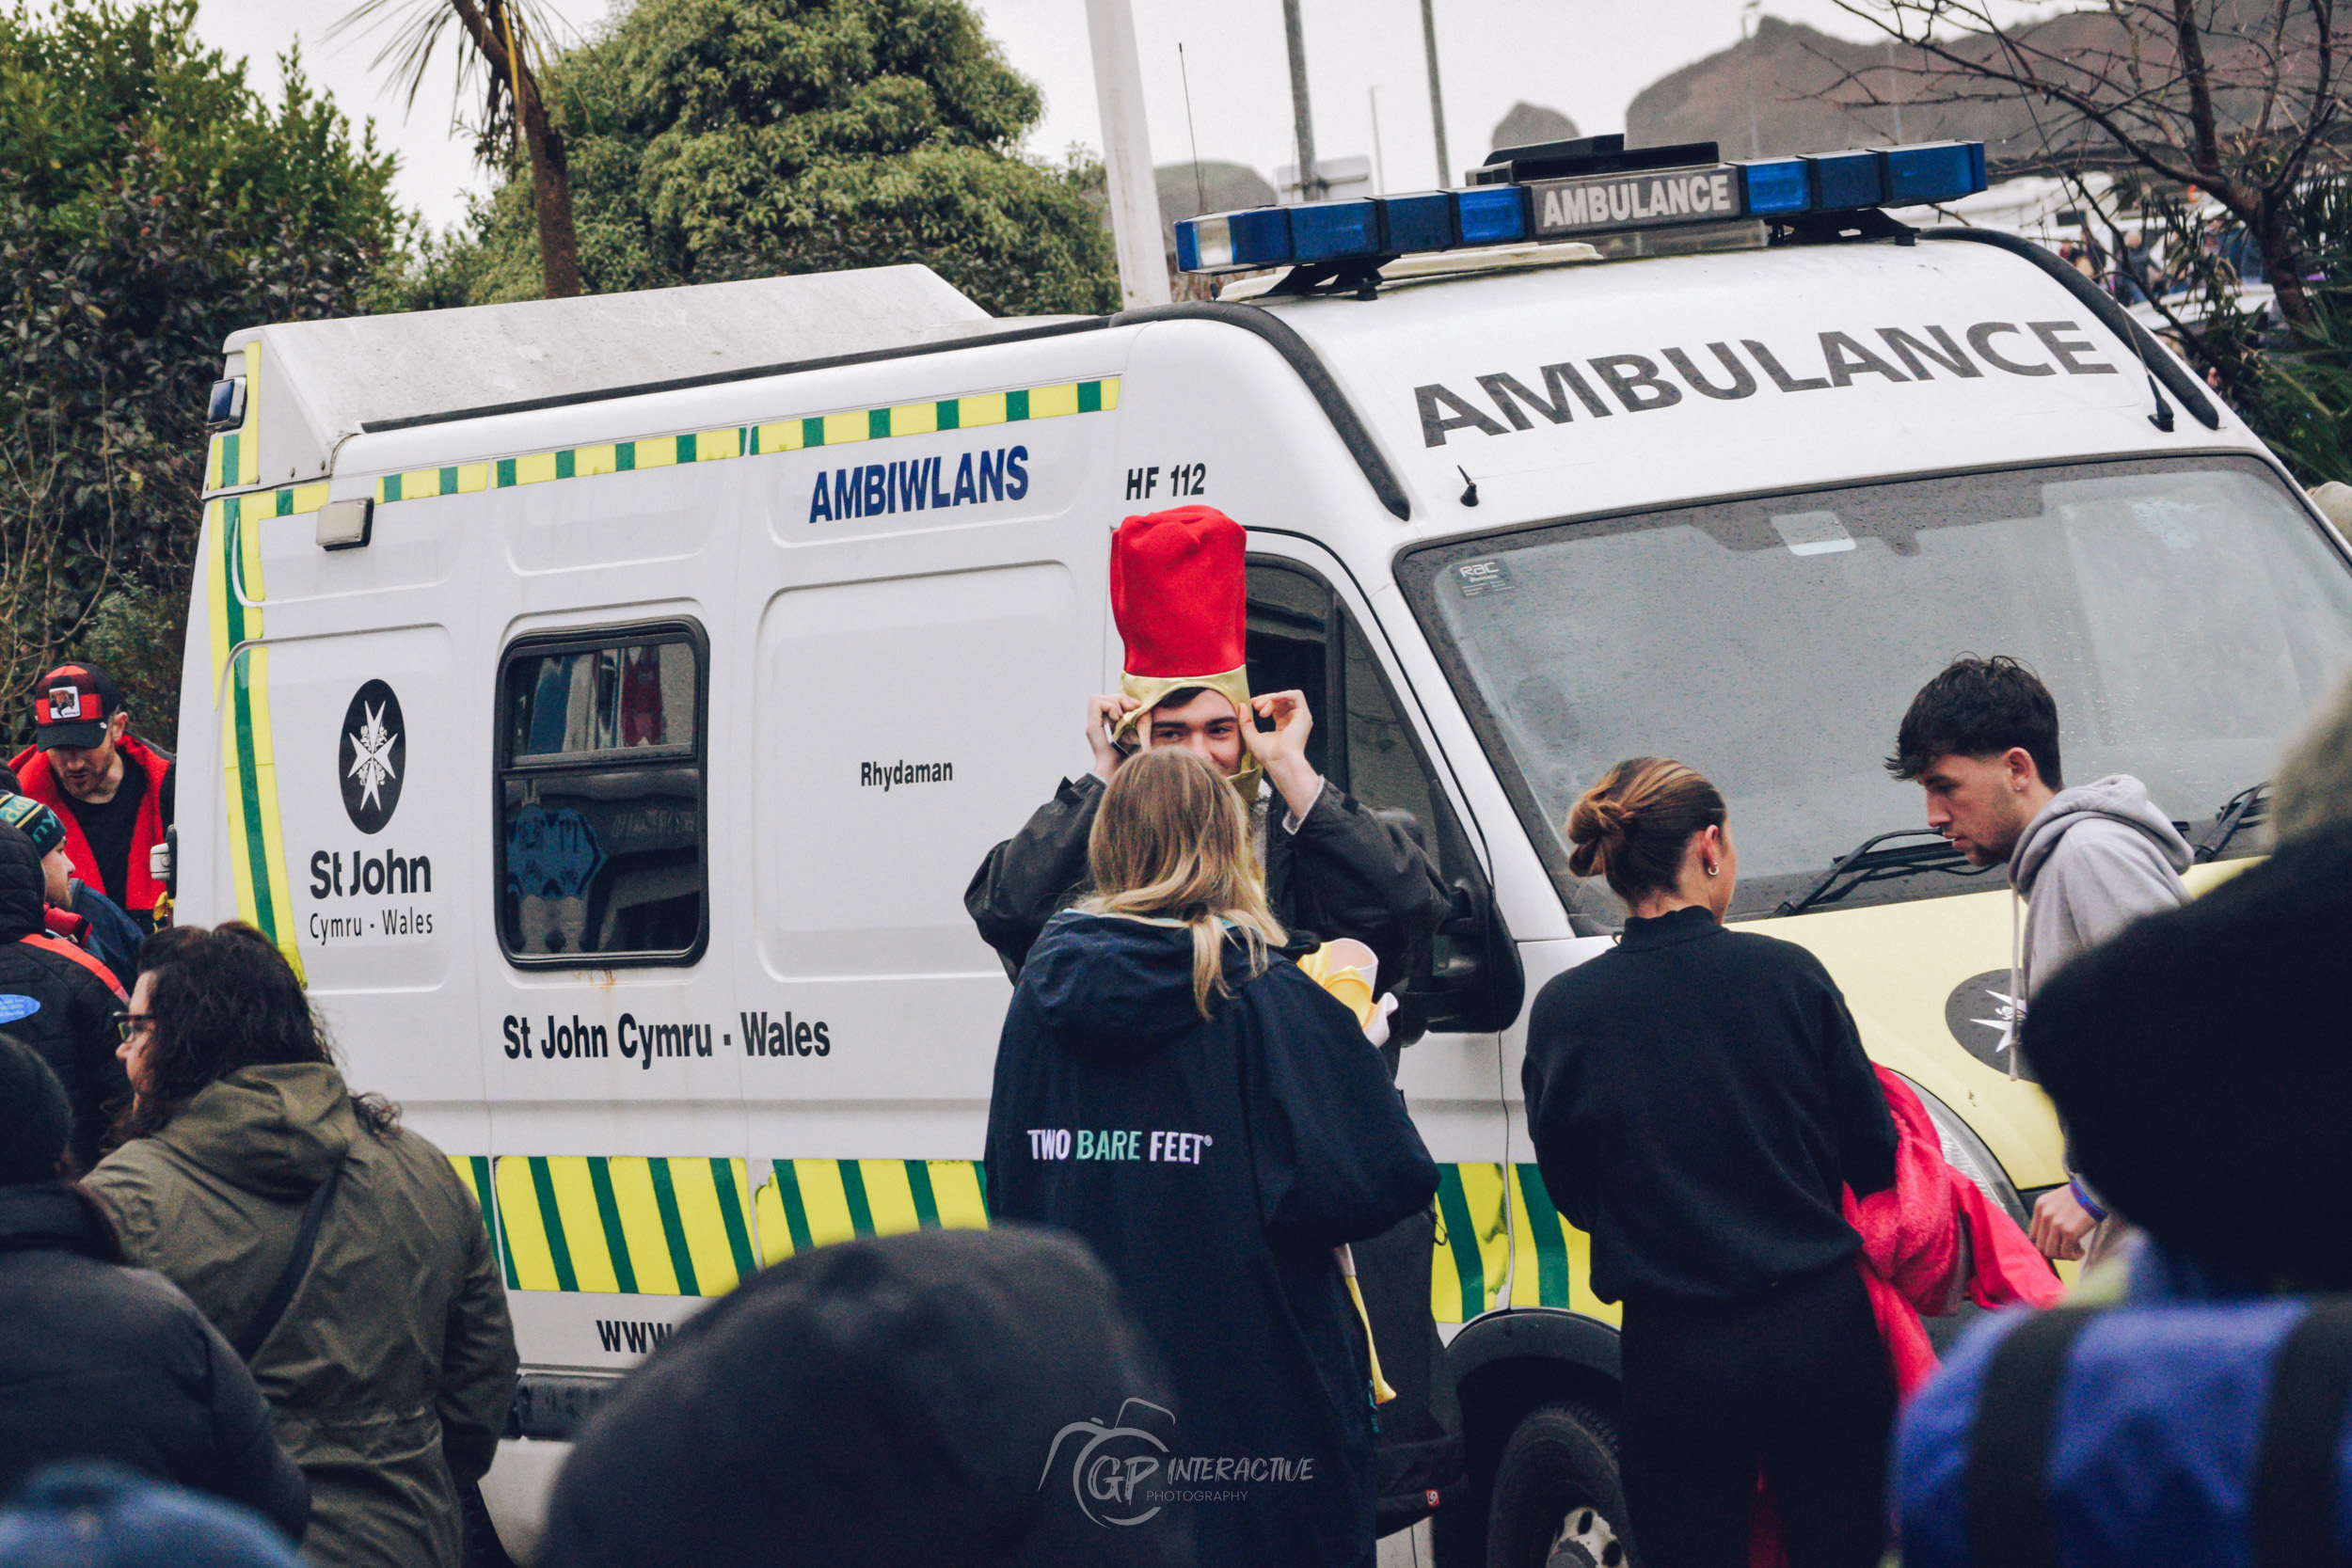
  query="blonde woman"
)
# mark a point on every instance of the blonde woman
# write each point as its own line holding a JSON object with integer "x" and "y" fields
{"x": 1174, "y": 1091}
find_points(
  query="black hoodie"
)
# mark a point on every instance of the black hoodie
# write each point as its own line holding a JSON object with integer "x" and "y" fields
{"x": 1214, "y": 1164}
{"x": 105, "y": 1362}
{"x": 55, "y": 999}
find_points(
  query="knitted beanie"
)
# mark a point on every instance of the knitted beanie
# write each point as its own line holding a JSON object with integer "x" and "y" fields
{"x": 35, "y": 820}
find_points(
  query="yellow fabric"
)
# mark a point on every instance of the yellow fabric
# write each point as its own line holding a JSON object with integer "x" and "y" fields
{"x": 1349, "y": 986}
{"x": 1381, "y": 1392}
{"x": 1148, "y": 692}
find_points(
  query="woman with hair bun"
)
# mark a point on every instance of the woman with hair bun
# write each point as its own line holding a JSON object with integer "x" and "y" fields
{"x": 1698, "y": 1098}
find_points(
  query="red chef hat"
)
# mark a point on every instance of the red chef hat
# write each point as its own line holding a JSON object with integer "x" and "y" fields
{"x": 1178, "y": 595}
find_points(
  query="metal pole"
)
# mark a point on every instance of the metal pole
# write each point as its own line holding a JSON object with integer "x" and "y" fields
{"x": 1748, "y": 56}
{"x": 1896, "y": 83}
{"x": 1310, "y": 186}
{"x": 1379, "y": 165}
{"x": 1436, "y": 94}
{"x": 1134, "y": 198}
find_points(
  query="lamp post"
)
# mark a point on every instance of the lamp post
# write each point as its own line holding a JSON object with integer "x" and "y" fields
{"x": 1134, "y": 197}
{"x": 1748, "y": 56}
{"x": 1436, "y": 95}
{"x": 1310, "y": 186}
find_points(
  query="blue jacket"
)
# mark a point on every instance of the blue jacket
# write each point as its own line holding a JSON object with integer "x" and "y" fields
{"x": 2156, "y": 1430}
{"x": 114, "y": 937}
{"x": 1212, "y": 1163}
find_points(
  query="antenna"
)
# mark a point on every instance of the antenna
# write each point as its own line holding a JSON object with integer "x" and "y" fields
{"x": 1200, "y": 191}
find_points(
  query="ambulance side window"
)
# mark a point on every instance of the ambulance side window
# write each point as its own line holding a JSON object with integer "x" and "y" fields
{"x": 1302, "y": 638}
{"x": 600, "y": 828}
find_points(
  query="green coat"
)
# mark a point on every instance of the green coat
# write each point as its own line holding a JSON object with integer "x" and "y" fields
{"x": 389, "y": 1376}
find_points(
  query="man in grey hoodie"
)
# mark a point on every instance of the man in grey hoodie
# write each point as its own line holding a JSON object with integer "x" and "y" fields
{"x": 1983, "y": 739}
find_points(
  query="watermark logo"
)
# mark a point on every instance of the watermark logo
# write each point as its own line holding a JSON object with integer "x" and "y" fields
{"x": 1110, "y": 1462}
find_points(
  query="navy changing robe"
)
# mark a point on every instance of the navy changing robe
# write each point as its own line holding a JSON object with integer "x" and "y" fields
{"x": 1212, "y": 1163}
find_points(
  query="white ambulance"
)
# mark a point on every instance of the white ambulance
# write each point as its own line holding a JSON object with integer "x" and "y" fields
{"x": 605, "y": 700}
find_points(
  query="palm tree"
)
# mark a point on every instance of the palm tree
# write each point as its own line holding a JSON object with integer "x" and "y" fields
{"x": 502, "y": 56}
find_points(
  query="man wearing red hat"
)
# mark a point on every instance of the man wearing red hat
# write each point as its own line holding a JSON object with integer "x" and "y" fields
{"x": 112, "y": 790}
{"x": 1179, "y": 593}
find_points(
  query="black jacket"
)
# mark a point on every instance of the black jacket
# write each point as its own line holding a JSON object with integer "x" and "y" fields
{"x": 1697, "y": 1098}
{"x": 105, "y": 1362}
{"x": 1345, "y": 873}
{"x": 56, "y": 1001}
{"x": 1212, "y": 1165}
{"x": 917, "y": 1399}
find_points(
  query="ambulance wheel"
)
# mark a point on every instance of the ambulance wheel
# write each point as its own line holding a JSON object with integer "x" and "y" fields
{"x": 1557, "y": 1502}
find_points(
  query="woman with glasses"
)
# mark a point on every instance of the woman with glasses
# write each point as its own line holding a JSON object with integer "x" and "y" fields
{"x": 336, "y": 1250}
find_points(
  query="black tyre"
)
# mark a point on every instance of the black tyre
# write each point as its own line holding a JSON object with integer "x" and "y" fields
{"x": 1557, "y": 1501}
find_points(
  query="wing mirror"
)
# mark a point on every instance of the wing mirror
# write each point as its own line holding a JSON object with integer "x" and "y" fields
{"x": 1468, "y": 979}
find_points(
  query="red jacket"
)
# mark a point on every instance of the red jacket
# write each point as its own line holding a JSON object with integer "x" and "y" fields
{"x": 33, "y": 778}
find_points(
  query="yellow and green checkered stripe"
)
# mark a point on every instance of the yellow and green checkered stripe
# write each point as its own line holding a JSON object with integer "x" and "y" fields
{"x": 234, "y": 456}
{"x": 233, "y": 593}
{"x": 630, "y": 1225}
{"x": 694, "y": 1226}
{"x": 473, "y": 1174}
{"x": 707, "y": 446}
{"x": 1474, "y": 1249}
{"x": 1552, "y": 1262}
{"x": 808, "y": 1203}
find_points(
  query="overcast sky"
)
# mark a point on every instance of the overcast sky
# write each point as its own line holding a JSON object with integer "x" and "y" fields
{"x": 1585, "y": 58}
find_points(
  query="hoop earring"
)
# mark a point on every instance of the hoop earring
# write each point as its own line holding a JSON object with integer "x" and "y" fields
{"x": 1713, "y": 870}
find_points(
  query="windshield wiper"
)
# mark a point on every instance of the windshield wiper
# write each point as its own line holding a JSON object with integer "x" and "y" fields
{"x": 1867, "y": 863}
{"x": 2246, "y": 809}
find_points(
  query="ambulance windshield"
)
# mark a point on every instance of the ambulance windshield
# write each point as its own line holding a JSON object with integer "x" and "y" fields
{"x": 2185, "y": 613}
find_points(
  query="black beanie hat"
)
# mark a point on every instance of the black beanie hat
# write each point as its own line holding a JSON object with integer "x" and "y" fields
{"x": 918, "y": 1398}
{"x": 35, "y": 1120}
{"x": 2199, "y": 1062}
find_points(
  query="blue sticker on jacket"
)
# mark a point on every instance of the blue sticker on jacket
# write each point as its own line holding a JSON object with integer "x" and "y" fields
{"x": 15, "y": 1008}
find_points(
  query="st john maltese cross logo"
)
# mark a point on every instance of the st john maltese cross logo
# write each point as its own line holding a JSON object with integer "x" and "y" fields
{"x": 372, "y": 758}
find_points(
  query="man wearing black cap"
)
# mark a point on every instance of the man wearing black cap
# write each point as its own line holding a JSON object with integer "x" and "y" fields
{"x": 113, "y": 791}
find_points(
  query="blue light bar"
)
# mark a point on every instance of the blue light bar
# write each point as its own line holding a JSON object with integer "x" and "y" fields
{"x": 1779, "y": 186}
{"x": 1843, "y": 181}
{"x": 1412, "y": 223}
{"x": 1933, "y": 171}
{"x": 1780, "y": 189}
{"x": 1490, "y": 215}
{"x": 1235, "y": 241}
{"x": 1333, "y": 230}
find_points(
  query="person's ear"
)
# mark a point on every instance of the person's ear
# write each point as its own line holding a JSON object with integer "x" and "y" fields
{"x": 2019, "y": 763}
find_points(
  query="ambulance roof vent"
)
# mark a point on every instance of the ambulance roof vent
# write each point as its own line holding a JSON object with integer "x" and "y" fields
{"x": 321, "y": 382}
{"x": 1591, "y": 189}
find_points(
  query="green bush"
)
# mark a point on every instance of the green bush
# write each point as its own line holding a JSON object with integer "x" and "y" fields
{"x": 150, "y": 206}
